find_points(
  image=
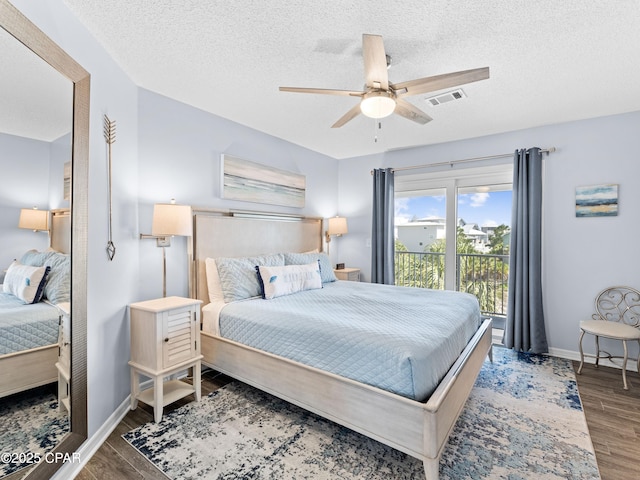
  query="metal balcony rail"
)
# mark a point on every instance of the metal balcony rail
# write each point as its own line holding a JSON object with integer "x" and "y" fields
{"x": 484, "y": 275}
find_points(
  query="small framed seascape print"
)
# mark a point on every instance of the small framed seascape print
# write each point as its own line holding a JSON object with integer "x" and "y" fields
{"x": 597, "y": 200}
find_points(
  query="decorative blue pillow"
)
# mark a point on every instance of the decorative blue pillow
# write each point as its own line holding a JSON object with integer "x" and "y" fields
{"x": 35, "y": 258}
{"x": 288, "y": 279}
{"x": 326, "y": 272}
{"x": 238, "y": 275}
{"x": 58, "y": 286}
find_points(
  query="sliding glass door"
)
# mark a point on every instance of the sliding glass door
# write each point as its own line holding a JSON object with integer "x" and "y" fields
{"x": 453, "y": 232}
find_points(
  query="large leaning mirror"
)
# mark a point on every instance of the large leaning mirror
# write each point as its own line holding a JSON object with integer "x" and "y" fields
{"x": 50, "y": 124}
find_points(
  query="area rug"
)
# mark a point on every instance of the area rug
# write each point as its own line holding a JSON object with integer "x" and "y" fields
{"x": 32, "y": 426}
{"x": 523, "y": 420}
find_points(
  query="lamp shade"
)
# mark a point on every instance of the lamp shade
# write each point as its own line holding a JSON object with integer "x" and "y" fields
{"x": 337, "y": 226}
{"x": 377, "y": 104}
{"x": 172, "y": 219}
{"x": 34, "y": 219}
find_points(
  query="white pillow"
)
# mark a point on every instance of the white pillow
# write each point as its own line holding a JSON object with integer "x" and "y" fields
{"x": 288, "y": 279}
{"x": 213, "y": 280}
{"x": 25, "y": 282}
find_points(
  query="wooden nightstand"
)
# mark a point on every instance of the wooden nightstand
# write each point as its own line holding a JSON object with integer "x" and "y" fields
{"x": 352, "y": 274}
{"x": 164, "y": 341}
{"x": 64, "y": 358}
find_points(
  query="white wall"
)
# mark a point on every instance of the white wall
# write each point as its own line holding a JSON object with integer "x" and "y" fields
{"x": 179, "y": 157}
{"x": 581, "y": 255}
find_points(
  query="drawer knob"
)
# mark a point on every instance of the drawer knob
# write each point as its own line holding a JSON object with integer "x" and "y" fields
{"x": 166, "y": 339}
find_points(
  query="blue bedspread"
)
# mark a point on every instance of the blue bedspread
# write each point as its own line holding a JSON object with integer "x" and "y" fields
{"x": 23, "y": 327}
{"x": 400, "y": 339}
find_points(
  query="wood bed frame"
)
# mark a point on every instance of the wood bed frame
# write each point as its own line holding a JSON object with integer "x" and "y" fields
{"x": 417, "y": 429}
{"x": 32, "y": 368}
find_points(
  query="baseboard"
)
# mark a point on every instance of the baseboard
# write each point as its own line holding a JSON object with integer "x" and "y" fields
{"x": 92, "y": 444}
{"x": 632, "y": 365}
{"x": 605, "y": 362}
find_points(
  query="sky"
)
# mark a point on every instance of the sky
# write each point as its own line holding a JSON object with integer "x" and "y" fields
{"x": 485, "y": 208}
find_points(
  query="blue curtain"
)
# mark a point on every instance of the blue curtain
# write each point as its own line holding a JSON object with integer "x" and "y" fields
{"x": 524, "y": 329}
{"x": 382, "y": 235}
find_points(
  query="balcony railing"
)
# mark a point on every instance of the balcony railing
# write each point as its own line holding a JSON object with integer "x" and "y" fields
{"x": 485, "y": 276}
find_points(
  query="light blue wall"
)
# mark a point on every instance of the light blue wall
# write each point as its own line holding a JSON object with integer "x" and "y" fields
{"x": 60, "y": 153}
{"x": 26, "y": 167}
{"x": 163, "y": 149}
{"x": 581, "y": 255}
{"x": 179, "y": 157}
{"x": 111, "y": 285}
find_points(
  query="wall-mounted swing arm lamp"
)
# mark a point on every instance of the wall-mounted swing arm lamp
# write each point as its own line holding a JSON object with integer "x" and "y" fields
{"x": 336, "y": 226}
{"x": 169, "y": 219}
{"x": 36, "y": 220}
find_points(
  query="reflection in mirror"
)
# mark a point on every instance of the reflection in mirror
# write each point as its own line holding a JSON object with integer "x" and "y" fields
{"x": 44, "y": 115}
{"x": 35, "y": 144}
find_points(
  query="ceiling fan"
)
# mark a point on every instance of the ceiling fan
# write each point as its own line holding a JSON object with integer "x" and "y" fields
{"x": 380, "y": 97}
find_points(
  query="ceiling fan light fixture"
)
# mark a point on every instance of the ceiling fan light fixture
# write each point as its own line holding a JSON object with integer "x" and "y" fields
{"x": 378, "y": 104}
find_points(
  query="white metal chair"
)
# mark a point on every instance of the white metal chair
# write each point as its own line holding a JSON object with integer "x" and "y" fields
{"x": 617, "y": 317}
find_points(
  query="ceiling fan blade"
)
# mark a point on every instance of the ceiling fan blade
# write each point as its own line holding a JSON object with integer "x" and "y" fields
{"x": 375, "y": 62}
{"x": 439, "y": 82}
{"x": 322, "y": 91}
{"x": 350, "y": 115}
{"x": 411, "y": 112}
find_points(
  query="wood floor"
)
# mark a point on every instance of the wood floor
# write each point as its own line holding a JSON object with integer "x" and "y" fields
{"x": 613, "y": 417}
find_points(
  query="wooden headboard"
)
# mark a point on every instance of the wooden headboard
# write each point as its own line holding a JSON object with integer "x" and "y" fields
{"x": 61, "y": 230}
{"x": 239, "y": 234}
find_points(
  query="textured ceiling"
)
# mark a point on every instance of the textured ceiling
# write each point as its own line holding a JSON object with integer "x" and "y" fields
{"x": 551, "y": 61}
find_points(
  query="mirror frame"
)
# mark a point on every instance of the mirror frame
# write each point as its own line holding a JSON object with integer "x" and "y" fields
{"x": 21, "y": 28}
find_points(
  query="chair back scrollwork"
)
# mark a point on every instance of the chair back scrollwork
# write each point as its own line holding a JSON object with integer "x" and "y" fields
{"x": 618, "y": 304}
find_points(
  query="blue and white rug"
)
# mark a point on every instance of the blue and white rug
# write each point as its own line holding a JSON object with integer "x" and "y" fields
{"x": 523, "y": 420}
{"x": 32, "y": 426}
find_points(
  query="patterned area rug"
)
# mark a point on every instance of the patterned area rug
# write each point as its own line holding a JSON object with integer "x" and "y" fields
{"x": 523, "y": 420}
{"x": 31, "y": 425}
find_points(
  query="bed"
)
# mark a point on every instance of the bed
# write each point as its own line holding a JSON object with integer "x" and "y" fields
{"x": 413, "y": 416}
{"x": 30, "y": 333}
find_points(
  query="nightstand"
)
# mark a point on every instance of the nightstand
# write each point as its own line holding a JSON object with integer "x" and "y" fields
{"x": 352, "y": 274}
{"x": 64, "y": 358}
{"x": 164, "y": 340}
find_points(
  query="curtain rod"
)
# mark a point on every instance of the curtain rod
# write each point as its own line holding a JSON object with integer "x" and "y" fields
{"x": 465, "y": 160}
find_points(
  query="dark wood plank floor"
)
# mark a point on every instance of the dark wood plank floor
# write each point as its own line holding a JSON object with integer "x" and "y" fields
{"x": 613, "y": 418}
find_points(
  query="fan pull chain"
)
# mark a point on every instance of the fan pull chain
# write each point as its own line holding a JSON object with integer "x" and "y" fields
{"x": 375, "y": 135}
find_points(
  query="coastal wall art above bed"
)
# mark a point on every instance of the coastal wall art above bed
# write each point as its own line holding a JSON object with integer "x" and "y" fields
{"x": 252, "y": 182}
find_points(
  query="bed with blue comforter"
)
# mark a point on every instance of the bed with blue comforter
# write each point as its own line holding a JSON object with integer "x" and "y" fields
{"x": 23, "y": 327}
{"x": 34, "y": 297}
{"x": 395, "y": 364}
{"x": 403, "y": 340}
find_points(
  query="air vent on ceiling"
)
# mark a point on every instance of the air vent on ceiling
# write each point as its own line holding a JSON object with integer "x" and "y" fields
{"x": 446, "y": 97}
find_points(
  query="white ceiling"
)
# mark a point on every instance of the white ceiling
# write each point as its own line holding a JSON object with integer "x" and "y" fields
{"x": 35, "y": 100}
{"x": 551, "y": 61}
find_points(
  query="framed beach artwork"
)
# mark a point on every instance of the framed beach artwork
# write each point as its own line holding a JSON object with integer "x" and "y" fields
{"x": 253, "y": 182}
{"x": 597, "y": 201}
